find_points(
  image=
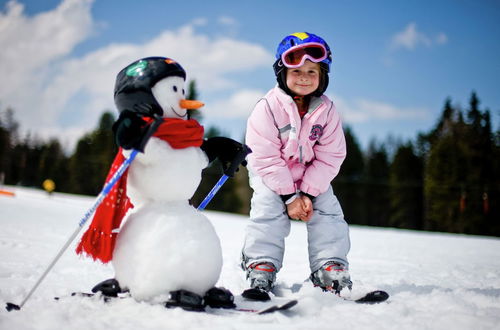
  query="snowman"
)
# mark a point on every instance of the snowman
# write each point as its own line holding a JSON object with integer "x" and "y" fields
{"x": 164, "y": 250}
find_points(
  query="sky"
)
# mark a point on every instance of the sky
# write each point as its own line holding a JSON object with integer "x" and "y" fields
{"x": 394, "y": 62}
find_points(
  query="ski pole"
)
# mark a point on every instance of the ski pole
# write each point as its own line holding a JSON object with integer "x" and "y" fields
{"x": 105, "y": 191}
{"x": 212, "y": 192}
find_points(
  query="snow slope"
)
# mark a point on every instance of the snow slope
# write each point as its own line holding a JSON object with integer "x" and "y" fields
{"x": 436, "y": 281}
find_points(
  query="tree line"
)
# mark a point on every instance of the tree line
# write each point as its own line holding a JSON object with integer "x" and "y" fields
{"x": 446, "y": 179}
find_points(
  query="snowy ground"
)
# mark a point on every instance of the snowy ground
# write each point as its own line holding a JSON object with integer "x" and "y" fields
{"x": 436, "y": 281}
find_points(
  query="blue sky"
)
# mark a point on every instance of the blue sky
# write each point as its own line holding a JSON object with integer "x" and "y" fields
{"x": 394, "y": 62}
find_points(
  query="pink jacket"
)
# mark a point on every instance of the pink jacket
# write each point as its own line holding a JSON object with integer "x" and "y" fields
{"x": 289, "y": 153}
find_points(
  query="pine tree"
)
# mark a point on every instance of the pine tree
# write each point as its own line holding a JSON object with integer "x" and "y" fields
{"x": 479, "y": 182}
{"x": 348, "y": 186}
{"x": 82, "y": 168}
{"x": 8, "y": 140}
{"x": 105, "y": 147}
{"x": 376, "y": 182}
{"x": 444, "y": 172}
{"x": 92, "y": 158}
{"x": 461, "y": 185}
{"x": 24, "y": 163}
{"x": 406, "y": 189}
{"x": 53, "y": 165}
{"x": 192, "y": 94}
{"x": 5, "y": 150}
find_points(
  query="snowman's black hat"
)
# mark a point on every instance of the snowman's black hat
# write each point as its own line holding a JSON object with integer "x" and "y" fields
{"x": 133, "y": 84}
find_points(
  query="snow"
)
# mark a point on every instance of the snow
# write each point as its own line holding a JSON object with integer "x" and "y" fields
{"x": 436, "y": 281}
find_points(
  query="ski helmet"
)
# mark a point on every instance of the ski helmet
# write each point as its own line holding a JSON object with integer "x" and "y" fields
{"x": 134, "y": 82}
{"x": 294, "y": 49}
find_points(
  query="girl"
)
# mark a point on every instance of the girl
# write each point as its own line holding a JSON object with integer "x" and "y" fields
{"x": 298, "y": 146}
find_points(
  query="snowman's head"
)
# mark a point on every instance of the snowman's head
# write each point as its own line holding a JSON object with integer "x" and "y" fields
{"x": 153, "y": 86}
{"x": 169, "y": 93}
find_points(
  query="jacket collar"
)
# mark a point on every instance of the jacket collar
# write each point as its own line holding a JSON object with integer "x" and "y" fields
{"x": 286, "y": 99}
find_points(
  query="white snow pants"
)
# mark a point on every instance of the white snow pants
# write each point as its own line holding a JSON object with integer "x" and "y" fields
{"x": 327, "y": 231}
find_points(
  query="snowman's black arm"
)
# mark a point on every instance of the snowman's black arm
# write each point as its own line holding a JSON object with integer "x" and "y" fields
{"x": 132, "y": 131}
{"x": 230, "y": 153}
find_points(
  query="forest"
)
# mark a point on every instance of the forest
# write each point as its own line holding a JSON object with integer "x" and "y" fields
{"x": 446, "y": 179}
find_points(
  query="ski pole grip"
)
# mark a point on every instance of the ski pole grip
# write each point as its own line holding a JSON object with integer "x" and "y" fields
{"x": 151, "y": 130}
{"x": 238, "y": 160}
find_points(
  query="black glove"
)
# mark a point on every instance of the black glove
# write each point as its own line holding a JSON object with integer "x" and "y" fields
{"x": 229, "y": 152}
{"x": 132, "y": 131}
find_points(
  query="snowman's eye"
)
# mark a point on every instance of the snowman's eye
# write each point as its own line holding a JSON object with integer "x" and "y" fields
{"x": 183, "y": 92}
{"x": 175, "y": 89}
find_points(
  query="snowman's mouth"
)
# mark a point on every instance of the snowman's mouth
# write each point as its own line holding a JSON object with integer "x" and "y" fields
{"x": 178, "y": 114}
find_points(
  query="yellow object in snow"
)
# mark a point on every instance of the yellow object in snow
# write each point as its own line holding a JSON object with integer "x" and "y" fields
{"x": 49, "y": 185}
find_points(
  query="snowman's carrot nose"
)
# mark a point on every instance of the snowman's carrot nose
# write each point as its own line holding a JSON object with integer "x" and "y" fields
{"x": 190, "y": 104}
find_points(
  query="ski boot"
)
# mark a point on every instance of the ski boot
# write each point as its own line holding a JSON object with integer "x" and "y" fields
{"x": 333, "y": 276}
{"x": 219, "y": 298}
{"x": 108, "y": 288}
{"x": 186, "y": 300}
{"x": 261, "y": 276}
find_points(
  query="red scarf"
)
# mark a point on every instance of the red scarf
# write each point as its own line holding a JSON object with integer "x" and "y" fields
{"x": 99, "y": 240}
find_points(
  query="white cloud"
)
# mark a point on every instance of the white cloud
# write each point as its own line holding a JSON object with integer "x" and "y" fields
{"x": 200, "y": 21}
{"x": 226, "y": 20}
{"x": 46, "y": 86}
{"x": 239, "y": 105}
{"x": 32, "y": 48}
{"x": 410, "y": 38}
{"x": 230, "y": 24}
{"x": 96, "y": 71}
{"x": 362, "y": 111}
{"x": 35, "y": 41}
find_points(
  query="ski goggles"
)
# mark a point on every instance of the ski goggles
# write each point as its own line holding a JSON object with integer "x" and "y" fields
{"x": 296, "y": 56}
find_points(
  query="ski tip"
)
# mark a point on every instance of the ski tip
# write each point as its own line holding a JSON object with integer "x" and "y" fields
{"x": 289, "y": 304}
{"x": 373, "y": 297}
{"x": 12, "y": 307}
{"x": 275, "y": 308}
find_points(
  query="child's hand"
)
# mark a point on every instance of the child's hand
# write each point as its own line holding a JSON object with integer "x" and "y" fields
{"x": 308, "y": 208}
{"x": 296, "y": 210}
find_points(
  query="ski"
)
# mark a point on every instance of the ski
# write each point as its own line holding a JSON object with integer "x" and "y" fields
{"x": 270, "y": 309}
{"x": 255, "y": 295}
{"x": 90, "y": 295}
{"x": 372, "y": 297}
{"x": 219, "y": 311}
{"x": 369, "y": 297}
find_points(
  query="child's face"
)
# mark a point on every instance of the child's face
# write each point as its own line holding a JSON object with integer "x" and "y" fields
{"x": 303, "y": 80}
